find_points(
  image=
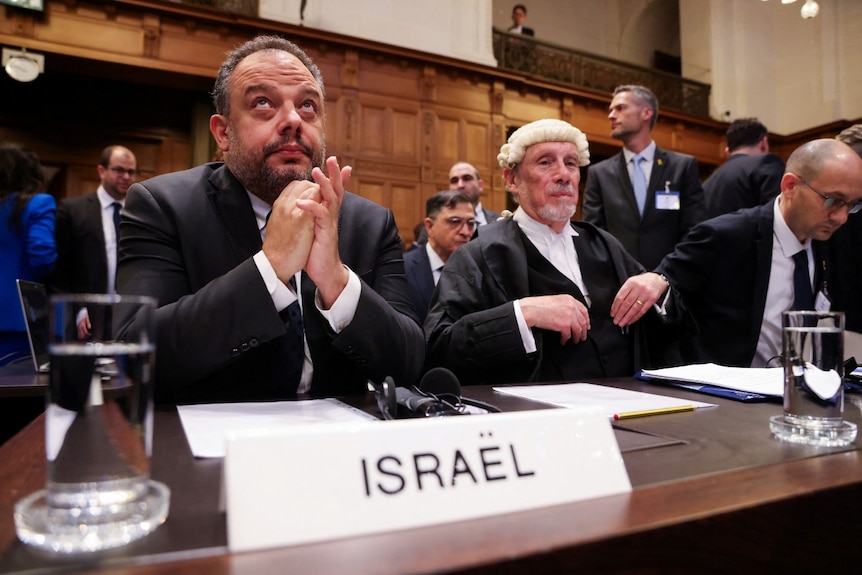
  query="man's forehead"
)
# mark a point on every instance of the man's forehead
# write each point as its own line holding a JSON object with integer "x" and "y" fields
{"x": 272, "y": 65}
{"x": 556, "y": 148}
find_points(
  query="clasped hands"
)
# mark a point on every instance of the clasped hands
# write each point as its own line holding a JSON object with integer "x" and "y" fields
{"x": 568, "y": 316}
{"x": 302, "y": 231}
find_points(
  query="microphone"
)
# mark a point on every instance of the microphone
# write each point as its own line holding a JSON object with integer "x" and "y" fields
{"x": 416, "y": 405}
{"x": 440, "y": 381}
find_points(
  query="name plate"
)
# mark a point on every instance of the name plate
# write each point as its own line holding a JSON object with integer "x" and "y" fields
{"x": 320, "y": 482}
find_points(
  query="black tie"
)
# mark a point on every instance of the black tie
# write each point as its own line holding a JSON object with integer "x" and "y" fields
{"x": 803, "y": 297}
{"x": 117, "y": 207}
{"x": 290, "y": 347}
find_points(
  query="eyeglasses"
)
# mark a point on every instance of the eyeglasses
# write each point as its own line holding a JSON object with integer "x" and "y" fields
{"x": 834, "y": 204}
{"x": 455, "y": 223}
{"x": 466, "y": 178}
{"x": 120, "y": 171}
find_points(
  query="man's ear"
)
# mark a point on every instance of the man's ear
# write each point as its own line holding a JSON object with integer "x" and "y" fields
{"x": 218, "y": 128}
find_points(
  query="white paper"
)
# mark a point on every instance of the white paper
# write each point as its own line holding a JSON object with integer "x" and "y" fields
{"x": 763, "y": 380}
{"x": 600, "y": 399}
{"x": 208, "y": 425}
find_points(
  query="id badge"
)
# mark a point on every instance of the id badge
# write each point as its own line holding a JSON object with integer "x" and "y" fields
{"x": 666, "y": 200}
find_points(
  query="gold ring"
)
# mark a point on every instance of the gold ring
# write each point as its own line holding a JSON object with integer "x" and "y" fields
{"x": 639, "y": 302}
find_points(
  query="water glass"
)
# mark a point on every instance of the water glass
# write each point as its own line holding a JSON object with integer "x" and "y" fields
{"x": 813, "y": 355}
{"x": 98, "y": 428}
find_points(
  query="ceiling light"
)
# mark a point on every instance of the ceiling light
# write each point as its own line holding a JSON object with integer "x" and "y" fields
{"x": 810, "y": 9}
{"x": 22, "y": 65}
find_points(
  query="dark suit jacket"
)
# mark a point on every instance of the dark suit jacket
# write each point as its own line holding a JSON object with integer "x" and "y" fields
{"x": 524, "y": 30}
{"x": 471, "y": 327}
{"x": 845, "y": 284}
{"x": 82, "y": 266}
{"x": 609, "y": 203}
{"x": 743, "y": 182}
{"x": 721, "y": 271}
{"x": 420, "y": 280}
{"x": 490, "y": 215}
{"x": 188, "y": 240}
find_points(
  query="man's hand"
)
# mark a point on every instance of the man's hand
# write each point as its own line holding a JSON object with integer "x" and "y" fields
{"x": 561, "y": 313}
{"x": 290, "y": 230}
{"x": 636, "y": 297}
{"x": 324, "y": 265}
{"x": 84, "y": 326}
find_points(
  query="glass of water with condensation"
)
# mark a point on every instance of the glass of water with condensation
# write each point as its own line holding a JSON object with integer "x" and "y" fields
{"x": 813, "y": 354}
{"x": 98, "y": 428}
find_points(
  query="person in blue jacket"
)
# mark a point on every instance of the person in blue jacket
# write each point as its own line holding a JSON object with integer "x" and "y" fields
{"x": 26, "y": 240}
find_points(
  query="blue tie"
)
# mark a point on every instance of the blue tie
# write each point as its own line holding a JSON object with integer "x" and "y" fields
{"x": 803, "y": 297}
{"x": 289, "y": 348}
{"x": 639, "y": 183}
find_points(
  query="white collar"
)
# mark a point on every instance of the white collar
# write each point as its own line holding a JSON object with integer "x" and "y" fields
{"x": 535, "y": 229}
{"x": 435, "y": 260}
{"x": 787, "y": 240}
{"x": 105, "y": 199}
{"x": 647, "y": 153}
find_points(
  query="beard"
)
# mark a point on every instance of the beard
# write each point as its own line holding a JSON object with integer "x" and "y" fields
{"x": 562, "y": 211}
{"x": 250, "y": 167}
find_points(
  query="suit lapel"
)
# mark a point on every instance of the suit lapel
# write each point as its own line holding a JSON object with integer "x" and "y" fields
{"x": 625, "y": 183}
{"x": 233, "y": 208}
{"x": 424, "y": 275}
{"x": 763, "y": 253}
{"x": 657, "y": 179}
{"x": 94, "y": 216}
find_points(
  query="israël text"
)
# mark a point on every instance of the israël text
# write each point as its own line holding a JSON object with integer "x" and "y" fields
{"x": 391, "y": 475}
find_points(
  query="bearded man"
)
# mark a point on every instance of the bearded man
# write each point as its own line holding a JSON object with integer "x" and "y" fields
{"x": 272, "y": 281}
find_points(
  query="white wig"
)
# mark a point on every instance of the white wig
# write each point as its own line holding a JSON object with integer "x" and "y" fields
{"x": 512, "y": 152}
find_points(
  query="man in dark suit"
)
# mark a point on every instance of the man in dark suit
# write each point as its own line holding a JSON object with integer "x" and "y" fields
{"x": 449, "y": 223}
{"x": 271, "y": 279}
{"x": 535, "y": 297}
{"x": 846, "y": 254}
{"x": 87, "y": 232}
{"x": 736, "y": 273}
{"x": 651, "y": 218}
{"x": 519, "y": 16}
{"x": 750, "y": 177}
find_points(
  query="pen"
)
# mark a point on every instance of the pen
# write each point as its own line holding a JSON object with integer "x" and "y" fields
{"x": 662, "y": 411}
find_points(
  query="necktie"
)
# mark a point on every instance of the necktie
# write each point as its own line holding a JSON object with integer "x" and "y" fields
{"x": 639, "y": 183}
{"x": 290, "y": 348}
{"x": 803, "y": 297}
{"x": 117, "y": 207}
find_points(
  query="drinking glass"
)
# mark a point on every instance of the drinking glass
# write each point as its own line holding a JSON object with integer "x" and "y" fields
{"x": 813, "y": 352}
{"x": 98, "y": 428}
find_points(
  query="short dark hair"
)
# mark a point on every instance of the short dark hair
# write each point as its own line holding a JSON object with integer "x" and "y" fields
{"x": 644, "y": 95}
{"x": 445, "y": 199}
{"x": 105, "y": 158}
{"x": 21, "y": 173}
{"x": 745, "y": 132}
{"x": 258, "y": 44}
{"x": 521, "y": 6}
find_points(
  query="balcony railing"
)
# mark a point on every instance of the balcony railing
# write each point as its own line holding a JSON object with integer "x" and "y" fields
{"x": 578, "y": 69}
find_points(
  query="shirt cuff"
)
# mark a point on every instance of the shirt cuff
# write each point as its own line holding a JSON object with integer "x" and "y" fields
{"x": 343, "y": 309}
{"x": 526, "y": 333}
{"x": 278, "y": 291}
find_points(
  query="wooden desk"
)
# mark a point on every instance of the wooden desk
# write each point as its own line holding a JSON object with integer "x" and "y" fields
{"x": 729, "y": 499}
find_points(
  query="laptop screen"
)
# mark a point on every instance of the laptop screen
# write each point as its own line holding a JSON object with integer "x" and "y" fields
{"x": 34, "y": 304}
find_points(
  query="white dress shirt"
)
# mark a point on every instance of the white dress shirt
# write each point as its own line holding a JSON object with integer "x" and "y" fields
{"x": 110, "y": 233}
{"x": 779, "y": 294}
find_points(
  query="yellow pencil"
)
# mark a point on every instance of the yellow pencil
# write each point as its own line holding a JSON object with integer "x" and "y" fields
{"x": 662, "y": 411}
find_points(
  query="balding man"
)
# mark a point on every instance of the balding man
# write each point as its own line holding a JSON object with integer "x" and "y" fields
{"x": 535, "y": 297}
{"x": 465, "y": 177}
{"x": 736, "y": 273}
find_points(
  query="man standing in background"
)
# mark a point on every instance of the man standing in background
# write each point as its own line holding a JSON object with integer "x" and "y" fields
{"x": 87, "y": 232}
{"x": 465, "y": 177}
{"x": 750, "y": 177}
{"x": 519, "y": 16}
{"x": 647, "y": 197}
